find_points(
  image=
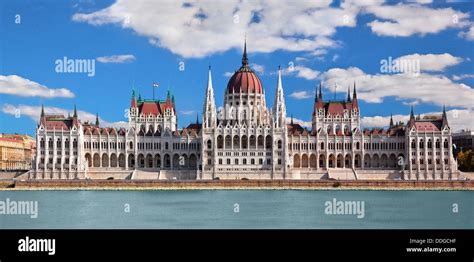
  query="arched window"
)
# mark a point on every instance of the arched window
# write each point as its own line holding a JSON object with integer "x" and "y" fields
{"x": 220, "y": 142}
{"x": 279, "y": 144}
{"x": 322, "y": 145}
{"x": 445, "y": 143}
{"x": 422, "y": 143}
{"x": 209, "y": 144}
{"x": 131, "y": 145}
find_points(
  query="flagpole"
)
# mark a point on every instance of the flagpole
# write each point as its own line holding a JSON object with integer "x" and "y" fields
{"x": 153, "y": 87}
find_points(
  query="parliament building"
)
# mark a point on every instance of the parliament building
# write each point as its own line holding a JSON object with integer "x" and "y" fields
{"x": 245, "y": 139}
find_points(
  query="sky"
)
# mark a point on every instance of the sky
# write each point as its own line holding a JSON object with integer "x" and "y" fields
{"x": 132, "y": 44}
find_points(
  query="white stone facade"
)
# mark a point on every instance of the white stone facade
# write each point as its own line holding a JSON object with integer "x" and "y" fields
{"x": 245, "y": 140}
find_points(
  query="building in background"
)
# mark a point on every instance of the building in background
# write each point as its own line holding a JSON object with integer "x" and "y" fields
{"x": 16, "y": 152}
{"x": 464, "y": 140}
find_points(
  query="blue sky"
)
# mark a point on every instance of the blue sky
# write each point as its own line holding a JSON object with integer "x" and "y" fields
{"x": 333, "y": 42}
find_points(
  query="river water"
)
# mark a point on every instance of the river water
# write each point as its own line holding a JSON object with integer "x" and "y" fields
{"x": 242, "y": 209}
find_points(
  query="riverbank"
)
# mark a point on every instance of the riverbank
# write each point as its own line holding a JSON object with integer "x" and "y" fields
{"x": 235, "y": 184}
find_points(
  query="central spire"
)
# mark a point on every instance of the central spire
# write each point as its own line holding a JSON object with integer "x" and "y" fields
{"x": 245, "y": 60}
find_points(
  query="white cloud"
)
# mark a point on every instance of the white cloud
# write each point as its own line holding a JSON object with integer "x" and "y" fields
{"x": 335, "y": 57}
{"x": 410, "y": 19}
{"x": 301, "y": 72}
{"x": 187, "y": 112}
{"x": 469, "y": 35}
{"x": 116, "y": 59}
{"x": 33, "y": 112}
{"x": 412, "y": 103}
{"x": 433, "y": 62}
{"x": 202, "y": 28}
{"x": 302, "y": 123}
{"x": 463, "y": 76}
{"x": 457, "y": 119}
{"x": 381, "y": 121}
{"x": 425, "y": 88}
{"x": 301, "y": 95}
{"x": 258, "y": 68}
{"x": 301, "y": 59}
{"x": 228, "y": 74}
{"x": 19, "y": 86}
{"x": 424, "y": 1}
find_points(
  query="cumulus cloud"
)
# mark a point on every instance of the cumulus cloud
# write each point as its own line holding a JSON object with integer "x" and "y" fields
{"x": 301, "y": 95}
{"x": 33, "y": 112}
{"x": 404, "y": 20}
{"x": 469, "y": 35}
{"x": 302, "y": 123}
{"x": 258, "y": 68}
{"x": 116, "y": 59}
{"x": 301, "y": 72}
{"x": 425, "y": 88}
{"x": 19, "y": 86}
{"x": 433, "y": 62}
{"x": 201, "y": 28}
{"x": 463, "y": 76}
{"x": 457, "y": 119}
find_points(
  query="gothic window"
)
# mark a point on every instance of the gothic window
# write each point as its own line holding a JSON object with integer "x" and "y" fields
{"x": 438, "y": 144}
{"x": 209, "y": 144}
{"x": 422, "y": 143}
{"x": 430, "y": 145}
{"x": 220, "y": 142}
{"x": 279, "y": 144}
{"x": 445, "y": 144}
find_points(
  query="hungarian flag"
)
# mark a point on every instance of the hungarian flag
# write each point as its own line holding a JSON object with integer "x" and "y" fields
{"x": 155, "y": 84}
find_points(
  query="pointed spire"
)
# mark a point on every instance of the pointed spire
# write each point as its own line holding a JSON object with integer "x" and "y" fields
{"x": 97, "y": 119}
{"x": 355, "y": 104}
{"x": 139, "y": 97}
{"x": 412, "y": 114}
{"x": 197, "y": 118}
{"x": 320, "y": 96}
{"x": 209, "y": 110}
{"x": 445, "y": 117}
{"x": 168, "y": 94}
{"x": 348, "y": 94}
{"x": 75, "y": 112}
{"x": 391, "y": 120}
{"x": 134, "y": 102}
{"x": 292, "y": 119}
{"x": 279, "y": 107}
{"x": 245, "y": 60}
{"x": 42, "y": 110}
{"x": 354, "y": 95}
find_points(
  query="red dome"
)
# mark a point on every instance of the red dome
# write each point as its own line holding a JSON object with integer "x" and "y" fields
{"x": 244, "y": 81}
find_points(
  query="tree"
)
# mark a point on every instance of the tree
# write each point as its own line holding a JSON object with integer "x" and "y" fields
{"x": 466, "y": 160}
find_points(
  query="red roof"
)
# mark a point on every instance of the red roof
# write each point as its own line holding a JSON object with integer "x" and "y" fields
{"x": 427, "y": 125}
{"x": 244, "y": 81}
{"x": 155, "y": 108}
{"x": 335, "y": 108}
